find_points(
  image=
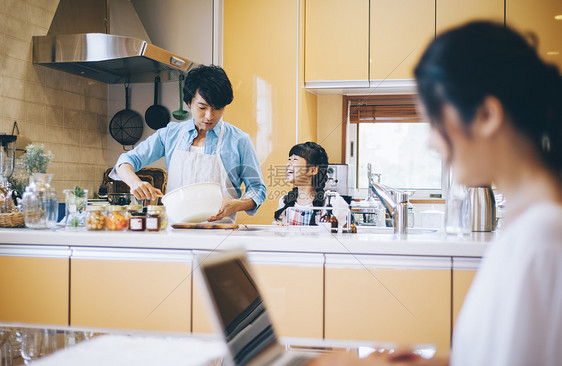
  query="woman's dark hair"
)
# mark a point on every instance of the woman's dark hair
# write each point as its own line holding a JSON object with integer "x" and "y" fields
{"x": 315, "y": 156}
{"x": 467, "y": 64}
{"x": 212, "y": 83}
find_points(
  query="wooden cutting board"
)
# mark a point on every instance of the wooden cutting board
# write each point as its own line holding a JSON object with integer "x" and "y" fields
{"x": 206, "y": 225}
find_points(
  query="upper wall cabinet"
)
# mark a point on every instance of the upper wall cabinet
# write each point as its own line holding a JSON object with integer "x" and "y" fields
{"x": 538, "y": 17}
{"x": 337, "y": 42}
{"x": 400, "y": 31}
{"x": 451, "y": 13}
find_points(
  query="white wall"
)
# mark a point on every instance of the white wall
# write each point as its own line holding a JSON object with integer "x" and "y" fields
{"x": 184, "y": 27}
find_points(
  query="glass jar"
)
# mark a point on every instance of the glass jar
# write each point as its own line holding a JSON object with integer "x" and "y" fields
{"x": 137, "y": 221}
{"x": 76, "y": 201}
{"x": 40, "y": 202}
{"x": 156, "y": 218}
{"x": 116, "y": 219}
{"x": 133, "y": 208}
{"x": 95, "y": 217}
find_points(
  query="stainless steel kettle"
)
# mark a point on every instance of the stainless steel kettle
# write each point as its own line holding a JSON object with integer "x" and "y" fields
{"x": 483, "y": 208}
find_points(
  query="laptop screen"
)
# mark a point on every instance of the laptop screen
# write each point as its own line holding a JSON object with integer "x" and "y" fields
{"x": 240, "y": 308}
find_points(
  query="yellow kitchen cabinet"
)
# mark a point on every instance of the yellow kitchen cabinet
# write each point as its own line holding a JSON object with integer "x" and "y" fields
{"x": 400, "y": 31}
{"x": 262, "y": 59}
{"x": 34, "y": 284}
{"x": 388, "y": 299}
{"x": 452, "y": 13}
{"x": 538, "y": 17}
{"x": 464, "y": 270}
{"x": 337, "y": 42}
{"x": 142, "y": 289}
{"x": 292, "y": 288}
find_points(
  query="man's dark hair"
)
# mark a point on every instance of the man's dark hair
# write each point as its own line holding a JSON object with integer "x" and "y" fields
{"x": 212, "y": 83}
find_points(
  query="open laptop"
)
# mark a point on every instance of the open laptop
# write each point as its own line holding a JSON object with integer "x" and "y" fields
{"x": 239, "y": 311}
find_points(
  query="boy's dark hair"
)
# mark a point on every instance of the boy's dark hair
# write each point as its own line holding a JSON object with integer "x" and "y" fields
{"x": 212, "y": 83}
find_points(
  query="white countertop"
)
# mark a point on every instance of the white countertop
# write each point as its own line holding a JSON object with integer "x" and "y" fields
{"x": 260, "y": 238}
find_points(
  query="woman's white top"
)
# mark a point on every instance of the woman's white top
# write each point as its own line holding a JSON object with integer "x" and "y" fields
{"x": 512, "y": 314}
{"x": 340, "y": 211}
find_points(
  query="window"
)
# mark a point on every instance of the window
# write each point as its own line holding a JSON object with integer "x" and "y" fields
{"x": 388, "y": 133}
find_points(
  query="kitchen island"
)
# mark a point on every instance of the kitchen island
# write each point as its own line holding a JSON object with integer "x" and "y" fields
{"x": 366, "y": 286}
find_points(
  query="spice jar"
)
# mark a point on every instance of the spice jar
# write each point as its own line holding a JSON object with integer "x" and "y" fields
{"x": 137, "y": 221}
{"x": 95, "y": 217}
{"x": 116, "y": 219}
{"x": 156, "y": 219}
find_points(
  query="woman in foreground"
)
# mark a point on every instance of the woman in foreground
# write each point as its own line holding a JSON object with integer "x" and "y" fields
{"x": 496, "y": 114}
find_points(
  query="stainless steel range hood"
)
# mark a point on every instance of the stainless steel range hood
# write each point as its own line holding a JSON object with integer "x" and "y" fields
{"x": 106, "y": 41}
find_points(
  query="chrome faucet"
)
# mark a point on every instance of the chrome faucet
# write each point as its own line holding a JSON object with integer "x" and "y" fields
{"x": 397, "y": 206}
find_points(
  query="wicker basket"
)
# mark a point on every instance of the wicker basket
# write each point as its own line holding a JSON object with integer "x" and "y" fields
{"x": 11, "y": 219}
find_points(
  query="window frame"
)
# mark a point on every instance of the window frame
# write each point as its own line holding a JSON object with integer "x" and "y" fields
{"x": 350, "y": 148}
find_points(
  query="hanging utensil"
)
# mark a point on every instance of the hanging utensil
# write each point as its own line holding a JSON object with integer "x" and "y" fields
{"x": 157, "y": 116}
{"x": 126, "y": 125}
{"x": 21, "y": 142}
{"x": 181, "y": 114}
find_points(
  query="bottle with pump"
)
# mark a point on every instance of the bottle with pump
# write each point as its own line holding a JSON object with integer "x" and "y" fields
{"x": 328, "y": 221}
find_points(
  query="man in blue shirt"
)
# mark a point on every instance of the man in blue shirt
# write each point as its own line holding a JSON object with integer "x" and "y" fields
{"x": 202, "y": 149}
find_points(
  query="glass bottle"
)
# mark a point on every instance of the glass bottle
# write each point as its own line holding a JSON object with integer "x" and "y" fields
{"x": 95, "y": 217}
{"x": 76, "y": 201}
{"x": 156, "y": 218}
{"x": 457, "y": 210}
{"x": 117, "y": 218}
{"x": 40, "y": 202}
{"x": 328, "y": 222}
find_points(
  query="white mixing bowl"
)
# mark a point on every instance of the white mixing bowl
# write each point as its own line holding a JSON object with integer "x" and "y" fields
{"x": 193, "y": 203}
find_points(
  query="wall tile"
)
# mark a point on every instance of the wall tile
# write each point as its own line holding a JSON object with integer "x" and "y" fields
{"x": 15, "y": 8}
{"x": 64, "y": 112}
{"x": 71, "y": 136}
{"x": 14, "y": 27}
{"x": 35, "y": 112}
{"x": 34, "y": 93}
{"x": 53, "y": 78}
{"x": 16, "y": 48}
{"x": 72, "y": 154}
{"x": 14, "y": 67}
{"x": 73, "y": 118}
{"x": 35, "y": 131}
{"x": 54, "y": 134}
{"x": 12, "y": 88}
{"x": 36, "y": 15}
{"x": 54, "y": 116}
{"x": 74, "y": 101}
{"x": 38, "y": 3}
{"x": 35, "y": 74}
{"x": 54, "y": 97}
{"x": 71, "y": 172}
{"x": 56, "y": 149}
{"x": 14, "y": 109}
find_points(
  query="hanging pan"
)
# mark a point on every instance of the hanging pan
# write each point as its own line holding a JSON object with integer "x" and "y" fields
{"x": 157, "y": 116}
{"x": 126, "y": 125}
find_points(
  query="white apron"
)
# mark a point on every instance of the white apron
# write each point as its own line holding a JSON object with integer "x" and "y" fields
{"x": 188, "y": 167}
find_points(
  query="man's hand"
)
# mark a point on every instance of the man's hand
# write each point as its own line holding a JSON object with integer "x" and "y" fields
{"x": 230, "y": 206}
{"x": 141, "y": 190}
{"x": 145, "y": 191}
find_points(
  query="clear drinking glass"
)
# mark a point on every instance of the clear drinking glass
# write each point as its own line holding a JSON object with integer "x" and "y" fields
{"x": 457, "y": 210}
{"x": 37, "y": 343}
{"x": 6, "y": 350}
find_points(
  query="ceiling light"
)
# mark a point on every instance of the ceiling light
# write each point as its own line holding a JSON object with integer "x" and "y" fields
{"x": 558, "y": 17}
{"x": 553, "y": 53}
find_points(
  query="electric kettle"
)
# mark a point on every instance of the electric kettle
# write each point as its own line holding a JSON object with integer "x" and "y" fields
{"x": 483, "y": 208}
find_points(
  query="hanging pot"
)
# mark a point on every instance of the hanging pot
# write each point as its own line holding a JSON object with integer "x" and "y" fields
{"x": 157, "y": 116}
{"x": 126, "y": 125}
